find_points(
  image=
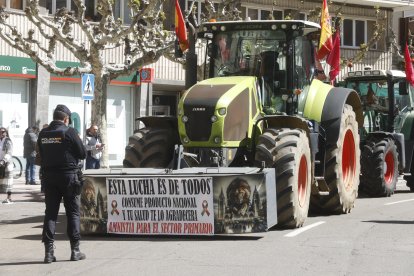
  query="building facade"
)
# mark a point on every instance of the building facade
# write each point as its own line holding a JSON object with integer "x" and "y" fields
{"x": 28, "y": 93}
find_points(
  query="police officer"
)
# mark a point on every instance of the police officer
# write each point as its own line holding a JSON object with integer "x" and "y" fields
{"x": 60, "y": 150}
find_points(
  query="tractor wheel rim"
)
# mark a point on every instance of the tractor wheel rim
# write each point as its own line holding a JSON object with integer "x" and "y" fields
{"x": 302, "y": 180}
{"x": 389, "y": 170}
{"x": 348, "y": 160}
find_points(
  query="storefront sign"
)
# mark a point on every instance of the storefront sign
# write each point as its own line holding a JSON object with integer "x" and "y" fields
{"x": 147, "y": 75}
{"x": 17, "y": 67}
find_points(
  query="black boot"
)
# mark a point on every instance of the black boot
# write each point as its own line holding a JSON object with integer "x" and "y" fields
{"x": 76, "y": 254}
{"x": 49, "y": 253}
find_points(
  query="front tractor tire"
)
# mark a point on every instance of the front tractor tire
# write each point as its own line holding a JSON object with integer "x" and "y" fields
{"x": 342, "y": 169}
{"x": 288, "y": 151}
{"x": 379, "y": 167}
{"x": 151, "y": 147}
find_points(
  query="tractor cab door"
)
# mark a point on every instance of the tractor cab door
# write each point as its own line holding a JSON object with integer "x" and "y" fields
{"x": 403, "y": 103}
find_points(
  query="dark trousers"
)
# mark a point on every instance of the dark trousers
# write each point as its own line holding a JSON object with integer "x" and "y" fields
{"x": 30, "y": 169}
{"x": 92, "y": 163}
{"x": 58, "y": 186}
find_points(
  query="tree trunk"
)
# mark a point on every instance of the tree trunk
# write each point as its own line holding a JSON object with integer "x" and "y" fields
{"x": 99, "y": 113}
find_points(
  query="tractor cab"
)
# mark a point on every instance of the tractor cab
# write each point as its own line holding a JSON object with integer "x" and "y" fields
{"x": 385, "y": 95}
{"x": 278, "y": 53}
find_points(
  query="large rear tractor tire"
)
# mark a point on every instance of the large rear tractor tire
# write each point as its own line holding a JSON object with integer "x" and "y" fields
{"x": 288, "y": 151}
{"x": 379, "y": 168}
{"x": 342, "y": 169}
{"x": 151, "y": 147}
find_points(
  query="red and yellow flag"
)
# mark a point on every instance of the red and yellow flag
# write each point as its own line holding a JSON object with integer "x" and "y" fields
{"x": 325, "y": 41}
{"x": 409, "y": 70}
{"x": 180, "y": 28}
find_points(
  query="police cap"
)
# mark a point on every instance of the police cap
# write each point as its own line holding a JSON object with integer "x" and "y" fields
{"x": 63, "y": 108}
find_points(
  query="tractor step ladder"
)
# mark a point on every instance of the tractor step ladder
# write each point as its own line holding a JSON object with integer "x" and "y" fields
{"x": 321, "y": 187}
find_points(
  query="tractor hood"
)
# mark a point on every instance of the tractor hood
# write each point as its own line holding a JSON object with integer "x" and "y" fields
{"x": 216, "y": 112}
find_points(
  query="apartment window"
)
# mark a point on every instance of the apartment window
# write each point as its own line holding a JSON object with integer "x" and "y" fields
{"x": 303, "y": 16}
{"x": 54, "y": 5}
{"x": 253, "y": 13}
{"x": 121, "y": 9}
{"x": 200, "y": 7}
{"x": 12, "y": 4}
{"x": 357, "y": 32}
{"x": 259, "y": 14}
{"x": 360, "y": 32}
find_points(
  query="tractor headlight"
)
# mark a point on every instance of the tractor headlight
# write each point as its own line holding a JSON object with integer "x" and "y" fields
{"x": 217, "y": 140}
{"x": 186, "y": 140}
{"x": 222, "y": 111}
{"x": 213, "y": 118}
{"x": 184, "y": 119}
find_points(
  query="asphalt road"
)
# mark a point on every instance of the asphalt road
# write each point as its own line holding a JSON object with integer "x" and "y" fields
{"x": 376, "y": 238}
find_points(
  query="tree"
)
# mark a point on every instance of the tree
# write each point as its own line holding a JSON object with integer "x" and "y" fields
{"x": 143, "y": 42}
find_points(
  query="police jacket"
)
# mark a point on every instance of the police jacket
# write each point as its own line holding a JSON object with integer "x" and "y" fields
{"x": 60, "y": 148}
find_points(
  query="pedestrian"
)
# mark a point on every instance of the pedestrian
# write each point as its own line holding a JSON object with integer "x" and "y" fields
{"x": 29, "y": 152}
{"x": 6, "y": 166}
{"x": 94, "y": 146}
{"x": 60, "y": 150}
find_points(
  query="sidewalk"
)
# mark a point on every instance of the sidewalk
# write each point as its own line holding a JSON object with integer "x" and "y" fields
{"x": 25, "y": 193}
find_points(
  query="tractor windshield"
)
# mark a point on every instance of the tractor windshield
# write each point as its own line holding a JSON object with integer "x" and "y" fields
{"x": 374, "y": 95}
{"x": 243, "y": 53}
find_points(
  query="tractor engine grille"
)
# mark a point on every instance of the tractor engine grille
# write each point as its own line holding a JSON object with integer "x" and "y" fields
{"x": 198, "y": 127}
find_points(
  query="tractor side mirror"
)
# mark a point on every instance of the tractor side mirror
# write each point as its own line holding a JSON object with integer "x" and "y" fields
{"x": 211, "y": 50}
{"x": 402, "y": 86}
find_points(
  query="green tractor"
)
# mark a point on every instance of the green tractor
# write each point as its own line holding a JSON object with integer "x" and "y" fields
{"x": 260, "y": 106}
{"x": 387, "y": 135}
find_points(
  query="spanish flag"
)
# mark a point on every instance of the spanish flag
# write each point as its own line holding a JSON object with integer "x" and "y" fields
{"x": 409, "y": 70}
{"x": 325, "y": 41}
{"x": 180, "y": 28}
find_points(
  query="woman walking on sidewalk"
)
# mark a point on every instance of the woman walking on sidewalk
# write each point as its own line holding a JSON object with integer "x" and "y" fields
{"x": 6, "y": 167}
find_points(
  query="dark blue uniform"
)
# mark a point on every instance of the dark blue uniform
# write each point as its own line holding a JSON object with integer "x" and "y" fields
{"x": 60, "y": 150}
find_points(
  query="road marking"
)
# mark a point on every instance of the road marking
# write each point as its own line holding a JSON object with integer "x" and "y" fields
{"x": 401, "y": 201}
{"x": 303, "y": 229}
